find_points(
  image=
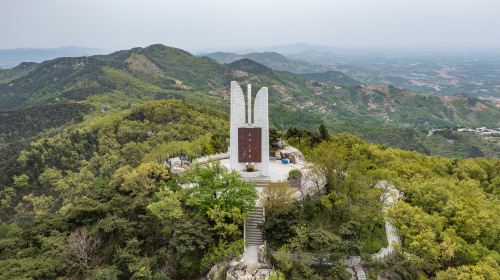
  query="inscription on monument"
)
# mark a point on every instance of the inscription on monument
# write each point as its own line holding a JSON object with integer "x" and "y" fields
{"x": 249, "y": 144}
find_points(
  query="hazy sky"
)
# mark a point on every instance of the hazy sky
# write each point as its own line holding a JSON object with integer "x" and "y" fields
{"x": 203, "y": 24}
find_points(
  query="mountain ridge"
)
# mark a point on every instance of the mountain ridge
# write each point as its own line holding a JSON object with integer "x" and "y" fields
{"x": 12, "y": 57}
{"x": 273, "y": 60}
{"x": 129, "y": 77}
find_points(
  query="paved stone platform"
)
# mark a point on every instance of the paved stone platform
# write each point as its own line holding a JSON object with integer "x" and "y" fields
{"x": 278, "y": 172}
{"x": 251, "y": 254}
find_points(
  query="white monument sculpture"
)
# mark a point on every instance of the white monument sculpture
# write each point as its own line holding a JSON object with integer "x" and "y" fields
{"x": 249, "y": 134}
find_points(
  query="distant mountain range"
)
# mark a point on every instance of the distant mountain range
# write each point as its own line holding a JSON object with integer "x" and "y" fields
{"x": 286, "y": 49}
{"x": 145, "y": 73}
{"x": 31, "y": 93}
{"x": 12, "y": 57}
{"x": 473, "y": 72}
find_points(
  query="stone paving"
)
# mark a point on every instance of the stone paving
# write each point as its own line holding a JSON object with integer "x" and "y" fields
{"x": 251, "y": 254}
{"x": 278, "y": 172}
{"x": 390, "y": 196}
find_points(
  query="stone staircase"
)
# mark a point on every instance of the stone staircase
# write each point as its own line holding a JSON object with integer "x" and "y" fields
{"x": 253, "y": 235}
{"x": 360, "y": 272}
{"x": 355, "y": 268}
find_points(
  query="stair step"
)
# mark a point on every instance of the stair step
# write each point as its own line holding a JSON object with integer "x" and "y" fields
{"x": 257, "y": 229}
{"x": 254, "y": 227}
{"x": 254, "y": 240}
{"x": 259, "y": 215}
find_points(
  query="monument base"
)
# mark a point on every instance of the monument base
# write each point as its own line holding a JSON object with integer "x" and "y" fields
{"x": 249, "y": 174}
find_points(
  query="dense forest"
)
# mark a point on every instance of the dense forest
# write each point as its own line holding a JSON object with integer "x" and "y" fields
{"x": 447, "y": 217}
{"x": 94, "y": 201}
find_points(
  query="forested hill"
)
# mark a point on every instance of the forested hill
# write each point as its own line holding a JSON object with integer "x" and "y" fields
{"x": 161, "y": 72}
{"x": 130, "y": 77}
{"x": 335, "y": 77}
{"x": 95, "y": 201}
{"x": 141, "y": 71}
{"x": 157, "y": 71}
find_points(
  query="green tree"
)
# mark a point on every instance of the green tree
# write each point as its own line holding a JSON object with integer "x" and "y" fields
{"x": 213, "y": 186}
{"x": 21, "y": 181}
{"x": 323, "y": 133}
{"x": 168, "y": 208}
{"x": 488, "y": 269}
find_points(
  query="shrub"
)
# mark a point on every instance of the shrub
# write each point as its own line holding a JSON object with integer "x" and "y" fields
{"x": 224, "y": 251}
{"x": 294, "y": 173}
{"x": 277, "y": 196}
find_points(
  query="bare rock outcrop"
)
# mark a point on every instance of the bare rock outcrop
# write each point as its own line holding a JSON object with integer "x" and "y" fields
{"x": 240, "y": 270}
{"x": 291, "y": 153}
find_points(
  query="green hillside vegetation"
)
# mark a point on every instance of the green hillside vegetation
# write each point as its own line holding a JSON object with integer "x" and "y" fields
{"x": 94, "y": 201}
{"x": 158, "y": 72}
{"x": 447, "y": 216}
{"x": 151, "y": 69}
{"x": 103, "y": 183}
{"x": 7, "y": 75}
{"x": 127, "y": 78}
{"x": 446, "y": 143}
{"x": 21, "y": 126}
{"x": 335, "y": 77}
{"x": 26, "y": 122}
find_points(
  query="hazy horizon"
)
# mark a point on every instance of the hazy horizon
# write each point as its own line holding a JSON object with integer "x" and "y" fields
{"x": 229, "y": 24}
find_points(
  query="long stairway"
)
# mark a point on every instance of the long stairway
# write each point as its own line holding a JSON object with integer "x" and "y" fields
{"x": 253, "y": 235}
